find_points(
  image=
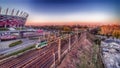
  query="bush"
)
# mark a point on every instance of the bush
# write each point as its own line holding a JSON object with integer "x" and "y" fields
{"x": 4, "y": 29}
{"x": 97, "y": 41}
{"x": 15, "y": 43}
{"x": 19, "y": 28}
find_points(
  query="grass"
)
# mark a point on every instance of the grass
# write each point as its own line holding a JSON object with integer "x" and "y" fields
{"x": 19, "y": 28}
{"x": 23, "y": 50}
{"x": 95, "y": 55}
{"x": 15, "y": 43}
{"x": 90, "y": 59}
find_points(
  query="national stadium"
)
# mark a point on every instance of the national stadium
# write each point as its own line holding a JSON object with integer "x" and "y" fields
{"x": 12, "y": 18}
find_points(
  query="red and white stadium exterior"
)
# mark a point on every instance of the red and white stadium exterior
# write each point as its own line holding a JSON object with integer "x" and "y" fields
{"x": 12, "y": 18}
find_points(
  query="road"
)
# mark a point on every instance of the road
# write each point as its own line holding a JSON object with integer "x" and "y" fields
{"x": 5, "y": 45}
{"x": 25, "y": 44}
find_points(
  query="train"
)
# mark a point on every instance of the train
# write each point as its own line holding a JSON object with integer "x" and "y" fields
{"x": 41, "y": 44}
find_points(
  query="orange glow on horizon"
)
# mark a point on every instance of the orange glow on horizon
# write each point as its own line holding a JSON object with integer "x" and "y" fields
{"x": 70, "y": 23}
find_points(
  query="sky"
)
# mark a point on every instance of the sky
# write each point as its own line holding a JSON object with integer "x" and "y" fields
{"x": 47, "y": 12}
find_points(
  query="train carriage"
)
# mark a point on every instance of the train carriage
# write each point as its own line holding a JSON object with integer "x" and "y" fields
{"x": 41, "y": 44}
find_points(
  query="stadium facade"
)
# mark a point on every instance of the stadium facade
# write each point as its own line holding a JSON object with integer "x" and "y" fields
{"x": 12, "y": 18}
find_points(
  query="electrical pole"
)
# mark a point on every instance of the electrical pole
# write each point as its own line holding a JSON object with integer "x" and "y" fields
{"x": 59, "y": 49}
{"x": 69, "y": 42}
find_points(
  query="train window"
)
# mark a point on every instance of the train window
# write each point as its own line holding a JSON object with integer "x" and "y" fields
{"x": 43, "y": 40}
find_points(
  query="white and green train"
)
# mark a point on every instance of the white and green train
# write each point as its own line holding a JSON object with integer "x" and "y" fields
{"x": 41, "y": 44}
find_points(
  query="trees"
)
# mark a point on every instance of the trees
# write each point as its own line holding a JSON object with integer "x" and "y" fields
{"x": 66, "y": 29}
{"x": 110, "y": 30}
{"x": 116, "y": 33}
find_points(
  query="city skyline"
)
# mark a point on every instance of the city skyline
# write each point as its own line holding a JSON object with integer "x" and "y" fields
{"x": 67, "y": 11}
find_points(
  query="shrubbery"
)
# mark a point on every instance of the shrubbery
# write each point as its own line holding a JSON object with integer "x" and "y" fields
{"x": 15, "y": 43}
{"x": 4, "y": 29}
{"x": 97, "y": 41}
{"x": 19, "y": 28}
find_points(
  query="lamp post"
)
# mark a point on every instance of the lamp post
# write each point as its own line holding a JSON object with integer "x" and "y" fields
{"x": 59, "y": 49}
{"x": 0, "y": 38}
{"x": 69, "y": 42}
{"x": 0, "y": 10}
{"x": 76, "y": 31}
{"x": 54, "y": 59}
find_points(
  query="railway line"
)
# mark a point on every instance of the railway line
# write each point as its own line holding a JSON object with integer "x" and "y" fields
{"x": 42, "y": 58}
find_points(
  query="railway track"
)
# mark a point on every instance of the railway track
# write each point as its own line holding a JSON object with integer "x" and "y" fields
{"x": 23, "y": 58}
{"x": 42, "y": 58}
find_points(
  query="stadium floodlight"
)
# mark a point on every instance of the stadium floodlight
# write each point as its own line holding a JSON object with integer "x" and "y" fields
{"x": 17, "y": 13}
{"x": 12, "y": 12}
{"x": 7, "y": 10}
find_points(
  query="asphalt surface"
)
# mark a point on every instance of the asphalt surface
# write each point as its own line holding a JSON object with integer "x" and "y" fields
{"x": 26, "y": 43}
{"x": 5, "y": 45}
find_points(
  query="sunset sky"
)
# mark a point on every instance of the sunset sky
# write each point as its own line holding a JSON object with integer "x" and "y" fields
{"x": 67, "y": 11}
